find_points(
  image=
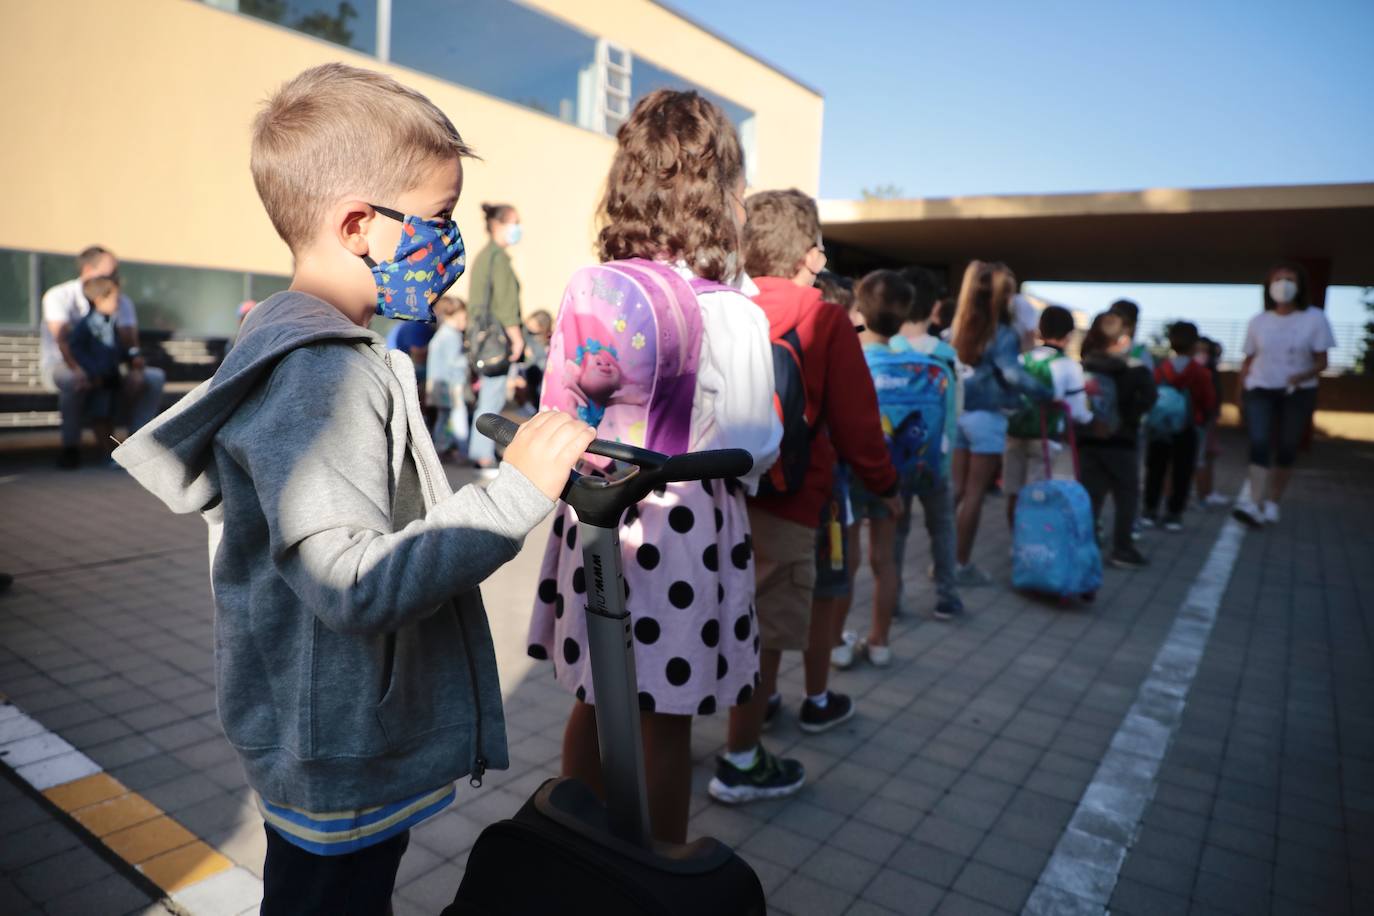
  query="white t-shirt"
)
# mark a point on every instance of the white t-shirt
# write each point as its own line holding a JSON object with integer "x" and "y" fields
{"x": 1025, "y": 317}
{"x": 66, "y": 303}
{"x": 1286, "y": 345}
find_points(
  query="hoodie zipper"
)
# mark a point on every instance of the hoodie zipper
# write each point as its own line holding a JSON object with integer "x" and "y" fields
{"x": 479, "y": 762}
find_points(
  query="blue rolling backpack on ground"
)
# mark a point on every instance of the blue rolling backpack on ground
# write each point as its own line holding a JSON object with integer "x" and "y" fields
{"x": 1054, "y": 541}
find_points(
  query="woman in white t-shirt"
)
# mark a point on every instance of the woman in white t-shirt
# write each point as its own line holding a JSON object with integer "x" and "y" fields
{"x": 1285, "y": 352}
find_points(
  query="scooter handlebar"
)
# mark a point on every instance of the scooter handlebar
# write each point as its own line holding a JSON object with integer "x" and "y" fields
{"x": 720, "y": 463}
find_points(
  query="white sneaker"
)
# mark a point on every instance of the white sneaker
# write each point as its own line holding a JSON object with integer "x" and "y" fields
{"x": 879, "y": 656}
{"x": 1249, "y": 513}
{"x": 1216, "y": 501}
{"x": 1271, "y": 512}
{"x": 842, "y": 656}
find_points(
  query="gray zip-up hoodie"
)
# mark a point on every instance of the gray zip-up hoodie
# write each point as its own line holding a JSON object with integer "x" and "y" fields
{"x": 353, "y": 662}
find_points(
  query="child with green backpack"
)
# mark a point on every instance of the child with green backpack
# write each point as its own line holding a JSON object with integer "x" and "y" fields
{"x": 1062, "y": 379}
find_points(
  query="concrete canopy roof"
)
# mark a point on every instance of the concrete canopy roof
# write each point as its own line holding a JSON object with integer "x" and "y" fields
{"x": 1214, "y": 235}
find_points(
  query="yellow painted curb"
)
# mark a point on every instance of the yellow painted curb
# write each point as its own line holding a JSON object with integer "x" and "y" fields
{"x": 132, "y": 827}
{"x": 85, "y": 791}
{"x": 107, "y": 817}
{"x": 183, "y": 867}
{"x": 141, "y": 842}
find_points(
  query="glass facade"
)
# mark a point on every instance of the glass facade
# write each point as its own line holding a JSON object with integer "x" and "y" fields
{"x": 15, "y": 293}
{"x": 500, "y": 48}
{"x": 351, "y": 23}
{"x": 188, "y": 301}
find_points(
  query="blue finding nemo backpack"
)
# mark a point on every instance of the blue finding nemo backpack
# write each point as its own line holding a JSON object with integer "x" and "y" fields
{"x": 912, "y": 389}
{"x": 1054, "y": 541}
{"x": 1173, "y": 409}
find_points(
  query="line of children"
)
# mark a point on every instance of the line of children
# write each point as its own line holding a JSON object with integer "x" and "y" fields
{"x": 356, "y": 675}
{"x": 1175, "y": 453}
{"x": 782, "y": 252}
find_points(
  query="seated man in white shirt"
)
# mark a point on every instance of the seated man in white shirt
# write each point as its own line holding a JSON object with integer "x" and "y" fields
{"x": 63, "y": 307}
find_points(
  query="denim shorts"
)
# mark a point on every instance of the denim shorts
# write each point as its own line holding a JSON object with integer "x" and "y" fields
{"x": 982, "y": 432}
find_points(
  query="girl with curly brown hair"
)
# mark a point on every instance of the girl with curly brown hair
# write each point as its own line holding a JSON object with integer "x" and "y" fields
{"x": 673, "y": 198}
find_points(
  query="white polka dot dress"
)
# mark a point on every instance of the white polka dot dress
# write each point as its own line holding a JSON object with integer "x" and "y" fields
{"x": 689, "y": 573}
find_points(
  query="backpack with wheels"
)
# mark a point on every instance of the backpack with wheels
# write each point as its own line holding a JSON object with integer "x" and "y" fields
{"x": 1026, "y": 422}
{"x": 1172, "y": 411}
{"x": 566, "y": 851}
{"x": 912, "y": 389}
{"x": 1054, "y": 539}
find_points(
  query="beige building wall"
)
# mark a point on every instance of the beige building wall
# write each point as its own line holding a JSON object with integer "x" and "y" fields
{"x": 129, "y": 127}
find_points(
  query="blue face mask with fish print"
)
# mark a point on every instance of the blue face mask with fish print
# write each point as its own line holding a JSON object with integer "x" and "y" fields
{"x": 429, "y": 259}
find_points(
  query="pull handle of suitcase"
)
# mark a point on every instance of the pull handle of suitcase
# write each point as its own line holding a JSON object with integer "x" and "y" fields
{"x": 1045, "y": 437}
{"x": 600, "y": 503}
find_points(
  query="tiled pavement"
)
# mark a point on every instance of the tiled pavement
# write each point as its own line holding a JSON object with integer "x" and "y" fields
{"x": 946, "y": 793}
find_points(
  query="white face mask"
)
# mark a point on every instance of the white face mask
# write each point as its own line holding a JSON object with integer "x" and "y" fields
{"x": 1283, "y": 290}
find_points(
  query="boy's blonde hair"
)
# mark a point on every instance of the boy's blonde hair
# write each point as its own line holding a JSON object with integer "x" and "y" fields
{"x": 782, "y": 226}
{"x": 96, "y": 289}
{"x": 337, "y": 130}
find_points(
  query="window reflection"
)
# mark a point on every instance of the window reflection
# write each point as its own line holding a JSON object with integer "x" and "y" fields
{"x": 497, "y": 47}
{"x": 351, "y": 23}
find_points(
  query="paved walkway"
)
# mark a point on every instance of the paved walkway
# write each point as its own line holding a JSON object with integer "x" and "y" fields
{"x": 947, "y": 792}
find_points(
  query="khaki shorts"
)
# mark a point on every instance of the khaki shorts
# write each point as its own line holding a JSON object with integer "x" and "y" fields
{"x": 784, "y": 576}
{"x": 1023, "y": 463}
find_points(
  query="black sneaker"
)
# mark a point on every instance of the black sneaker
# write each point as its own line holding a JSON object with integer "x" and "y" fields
{"x": 948, "y": 610}
{"x": 1128, "y": 558}
{"x": 69, "y": 460}
{"x": 769, "y": 777}
{"x": 770, "y": 717}
{"x": 816, "y": 719}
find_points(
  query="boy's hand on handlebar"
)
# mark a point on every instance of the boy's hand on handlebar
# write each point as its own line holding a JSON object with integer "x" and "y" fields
{"x": 547, "y": 447}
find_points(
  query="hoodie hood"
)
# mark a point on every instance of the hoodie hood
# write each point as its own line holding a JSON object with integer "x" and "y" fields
{"x": 171, "y": 457}
{"x": 785, "y": 303}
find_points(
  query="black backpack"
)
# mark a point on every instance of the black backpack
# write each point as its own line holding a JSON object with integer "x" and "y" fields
{"x": 788, "y": 473}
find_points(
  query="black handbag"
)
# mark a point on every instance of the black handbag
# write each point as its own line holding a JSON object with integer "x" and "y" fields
{"x": 488, "y": 345}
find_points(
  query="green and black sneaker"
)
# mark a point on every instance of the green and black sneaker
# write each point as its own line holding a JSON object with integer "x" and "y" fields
{"x": 769, "y": 777}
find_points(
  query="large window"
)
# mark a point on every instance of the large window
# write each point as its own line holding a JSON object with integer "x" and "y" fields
{"x": 15, "y": 294}
{"x": 351, "y": 23}
{"x": 498, "y": 47}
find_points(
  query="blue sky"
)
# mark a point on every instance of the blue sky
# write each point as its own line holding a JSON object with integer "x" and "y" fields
{"x": 975, "y": 97}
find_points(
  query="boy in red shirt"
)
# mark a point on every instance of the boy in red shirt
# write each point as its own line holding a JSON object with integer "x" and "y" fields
{"x": 783, "y": 253}
{"x": 1176, "y": 456}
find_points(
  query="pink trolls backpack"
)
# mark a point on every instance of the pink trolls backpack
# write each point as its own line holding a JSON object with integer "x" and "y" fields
{"x": 624, "y": 353}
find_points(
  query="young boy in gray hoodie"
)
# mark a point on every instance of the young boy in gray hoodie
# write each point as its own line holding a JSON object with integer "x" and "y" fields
{"x": 354, "y": 665}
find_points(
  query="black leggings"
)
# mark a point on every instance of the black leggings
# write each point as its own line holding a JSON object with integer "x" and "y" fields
{"x": 1176, "y": 457}
{"x": 1276, "y": 421}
